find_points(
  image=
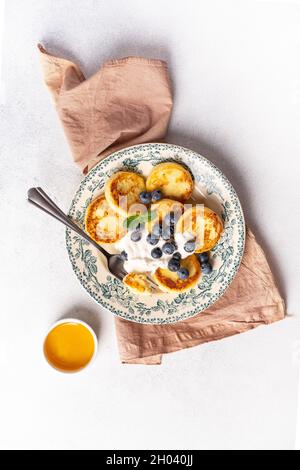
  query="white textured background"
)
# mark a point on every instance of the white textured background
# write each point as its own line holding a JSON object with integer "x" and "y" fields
{"x": 236, "y": 73}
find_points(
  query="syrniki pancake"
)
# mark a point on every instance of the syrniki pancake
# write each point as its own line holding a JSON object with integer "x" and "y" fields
{"x": 122, "y": 190}
{"x": 102, "y": 223}
{"x": 204, "y": 224}
{"x": 138, "y": 283}
{"x": 172, "y": 179}
{"x": 169, "y": 281}
{"x": 162, "y": 208}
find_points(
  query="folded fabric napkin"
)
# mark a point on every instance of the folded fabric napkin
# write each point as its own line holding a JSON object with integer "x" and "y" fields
{"x": 127, "y": 102}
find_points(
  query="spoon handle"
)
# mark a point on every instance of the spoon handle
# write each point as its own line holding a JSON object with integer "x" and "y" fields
{"x": 40, "y": 199}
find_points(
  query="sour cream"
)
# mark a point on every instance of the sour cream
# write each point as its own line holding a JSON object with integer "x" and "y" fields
{"x": 139, "y": 257}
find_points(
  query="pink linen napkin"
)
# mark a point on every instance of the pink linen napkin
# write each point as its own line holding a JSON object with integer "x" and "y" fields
{"x": 127, "y": 102}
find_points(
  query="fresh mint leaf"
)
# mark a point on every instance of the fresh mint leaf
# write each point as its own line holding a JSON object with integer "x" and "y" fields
{"x": 130, "y": 222}
{"x": 134, "y": 220}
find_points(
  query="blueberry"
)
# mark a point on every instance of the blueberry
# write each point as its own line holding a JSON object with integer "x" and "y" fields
{"x": 168, "y": 228}
{"x": 136, "y": 236}
{"x": 157, "y": 229}
{"x": 169, "y": 219}
{"x": 177, "y": 256}
{"x": 183, "y": 273}
{"x": 206, "y": 268}
{"x": 173, "y": 265}
{"x": 156, "y": 253}
{"x": 168, "y": 248}
{"x": 145, "y": 197}
{"x": 123, "y": 255}
{"x": 203, "y": 257}
{"x": 152, "y": 239}
{"x": 175, "y": 215}
{"x": 166, "y": 233}
{"x": 190, "y": 246}
{"x": 156, "y": 195}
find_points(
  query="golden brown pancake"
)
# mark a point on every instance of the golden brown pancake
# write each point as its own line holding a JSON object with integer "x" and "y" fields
{"x": 138, "y": 283}
{"x": 172, "y": 179}
{"x": 162, "y": 208}
{"x": 102, "y": 223}
{"x": 204, "y": 224}
{"x": 169, "y": 281}
{"x": 122, "y": 190}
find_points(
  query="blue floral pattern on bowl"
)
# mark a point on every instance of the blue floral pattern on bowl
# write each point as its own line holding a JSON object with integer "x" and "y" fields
{"x": 211, "y": 188}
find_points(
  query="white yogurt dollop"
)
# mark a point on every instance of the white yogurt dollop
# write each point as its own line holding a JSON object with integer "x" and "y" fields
{"x": 139, "y": 257}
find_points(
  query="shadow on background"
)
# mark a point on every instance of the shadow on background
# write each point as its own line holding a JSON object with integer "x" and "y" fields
{"x": 56, "y": 49}
{"x": 86, "y": 314}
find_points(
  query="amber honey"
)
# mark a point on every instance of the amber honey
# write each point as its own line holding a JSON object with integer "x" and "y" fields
{"x": 70, "y": 346}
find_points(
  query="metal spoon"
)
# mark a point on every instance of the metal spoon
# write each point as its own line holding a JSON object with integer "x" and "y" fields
{"x": 40, "y": 199}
